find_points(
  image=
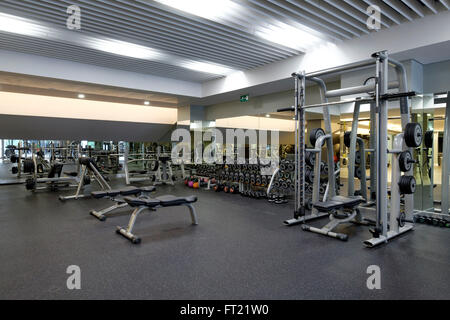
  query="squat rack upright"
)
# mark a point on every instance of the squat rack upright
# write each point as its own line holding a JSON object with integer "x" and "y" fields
{"x": 378, "y": 98}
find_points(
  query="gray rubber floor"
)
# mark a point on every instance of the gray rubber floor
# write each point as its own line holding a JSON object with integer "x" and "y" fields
{"x": 240, "y": 250}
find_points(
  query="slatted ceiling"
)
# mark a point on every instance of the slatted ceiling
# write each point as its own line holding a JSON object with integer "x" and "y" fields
{"x": 292, "y": 12}
{"x": 349, "y": 10}
{"x": 445, "y": 3}
{"x": 430, "y": 5}
{"x": 386, "y": 10}
{"x": 321, "y": 17}
{"x": 416, "y": 7}
{"x": 176, "y": 42}
{"x": 325, "y": 16}
{"x": 400, "y": 8}
{"x": 230, "y": 41}
{"x": 341, "y": 16}
{"x": 84, "y": 55}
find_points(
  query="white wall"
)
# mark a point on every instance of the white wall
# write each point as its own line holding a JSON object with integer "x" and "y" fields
{"x": 437, "y": 77}
{"x": 46, "y": 106}
{"x": 263, "y": 104}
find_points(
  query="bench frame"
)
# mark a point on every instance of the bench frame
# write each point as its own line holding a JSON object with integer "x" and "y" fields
{"x": 119, "y": 203}
{"x": 354, "y": 216}
{"x": 128, "y": 231}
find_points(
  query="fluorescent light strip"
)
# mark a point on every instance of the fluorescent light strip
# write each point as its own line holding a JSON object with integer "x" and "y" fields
{"x": 124, "y": 49}
{"x": 18, "y": 25}
{"x": 206, "y": 67}
{"x": 288, "y": 36}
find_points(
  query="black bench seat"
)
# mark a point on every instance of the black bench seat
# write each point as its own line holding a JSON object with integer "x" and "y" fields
{"x": 127, "y": 191}
{"x": 338, "y": 202}
{"x": 164, "y": 201}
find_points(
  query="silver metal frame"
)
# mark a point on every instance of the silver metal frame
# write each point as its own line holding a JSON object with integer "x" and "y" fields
{"x": 379, "y": 113}
{"x": 97, "y": 177}
{"x": 128, "y": 231}
{"x": 446, "y": 160}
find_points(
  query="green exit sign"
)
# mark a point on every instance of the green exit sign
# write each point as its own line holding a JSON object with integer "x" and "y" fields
{"x": 244, "y": 98}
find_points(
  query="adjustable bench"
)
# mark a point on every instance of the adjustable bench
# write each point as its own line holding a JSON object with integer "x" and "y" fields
{"x": 141, "y": 204}
{"x": 117, "y": 195}
{"x": 342, "y": 210}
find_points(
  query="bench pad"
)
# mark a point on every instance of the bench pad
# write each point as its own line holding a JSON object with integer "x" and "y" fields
{"x": 165, "y": 201}
{"x": 338, "y": 202}
{"x": 138, "y": 202}
{"x": 169, "y": 200}
{"x": 127, "y": 191}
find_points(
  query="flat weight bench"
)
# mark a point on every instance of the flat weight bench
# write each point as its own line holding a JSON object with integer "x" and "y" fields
{"x": 342, "y": 210}
{"x": 141, "y": 204}
{"x": 117, "y": 195}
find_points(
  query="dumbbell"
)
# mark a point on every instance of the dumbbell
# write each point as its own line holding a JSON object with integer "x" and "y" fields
{"x": 234, "y": 189}
{"x": 264, "y": 180}
{"x": 358, "y": 172}
{"x": 322, "y": 189}
{"x": 310, "y": 158}
{"x": 271, "y": 197}
{"x": 291, "y": 167}
{"x": 309, "y": 175}
{"x": 358, "y": 157}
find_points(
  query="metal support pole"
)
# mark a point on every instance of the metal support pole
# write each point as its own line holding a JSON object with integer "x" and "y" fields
{"x": 382, "y": 119}
{"x": 373, "y": 158}
{"x": 446, "y": 159}
{"x": 352, "y": 151}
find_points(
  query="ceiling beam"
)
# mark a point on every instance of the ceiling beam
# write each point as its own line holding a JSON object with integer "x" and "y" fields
{"x": 351, "y": 11}
{"x": 415, "y": 7}
{"x": 302, "y": 5}
{"x": 311, "y": 18}
{"x": 431, "y": 5}
{"x": 445, "y": 3}
{"x": 386, "y": 10}
{"x": 343, "y": 16}
{"x": 400, "y": 7}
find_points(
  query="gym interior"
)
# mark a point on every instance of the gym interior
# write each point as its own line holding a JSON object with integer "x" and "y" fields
{"x": 224, "y": 150}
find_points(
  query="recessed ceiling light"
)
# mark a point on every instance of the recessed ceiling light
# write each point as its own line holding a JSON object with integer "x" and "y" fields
{"x": 81, "y": 96}
{"x": 147, "y": 103}
{"x": 123, "y": 48}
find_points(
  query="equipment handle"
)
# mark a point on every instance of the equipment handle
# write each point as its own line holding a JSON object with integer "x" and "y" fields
{"x": 286, "y": 109}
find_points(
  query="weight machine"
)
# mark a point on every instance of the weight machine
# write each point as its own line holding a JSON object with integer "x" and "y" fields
{"x": 388, "y": 224}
